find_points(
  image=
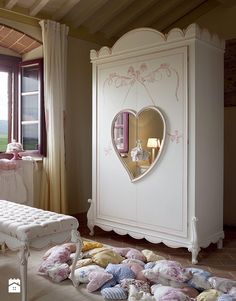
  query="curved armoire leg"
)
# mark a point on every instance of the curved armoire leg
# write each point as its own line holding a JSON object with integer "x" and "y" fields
{"x": 90, "y": 217}
{"x": 194, "y": 248}
{"x": 220, "y": 243}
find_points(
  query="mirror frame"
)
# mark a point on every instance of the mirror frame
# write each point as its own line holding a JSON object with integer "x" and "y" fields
{"x": 136, "y": 114}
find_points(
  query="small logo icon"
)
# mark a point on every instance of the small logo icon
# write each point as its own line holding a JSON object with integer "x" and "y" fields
{"x": 13, "y": 285}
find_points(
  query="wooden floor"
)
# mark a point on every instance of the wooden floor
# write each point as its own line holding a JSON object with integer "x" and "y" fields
{"x": 221, "y": 262}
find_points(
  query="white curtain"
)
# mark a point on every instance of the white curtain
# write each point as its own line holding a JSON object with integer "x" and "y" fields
{"x": 53, "y": 193}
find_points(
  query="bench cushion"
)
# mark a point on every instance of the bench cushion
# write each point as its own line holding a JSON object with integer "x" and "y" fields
{"x": 26, "y": 223}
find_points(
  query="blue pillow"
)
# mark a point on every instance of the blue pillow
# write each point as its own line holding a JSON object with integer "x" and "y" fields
{"x": 226, "y": 297}
{"x": 115, "y": 293}
{"x": 109, "y": 283}
{"x": 120, "y": 271}
{"x": 149, "y": 265}
{"x": 199, "y": 279}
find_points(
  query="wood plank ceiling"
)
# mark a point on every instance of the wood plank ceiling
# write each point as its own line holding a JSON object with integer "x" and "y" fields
{"x": 104, "y": 21}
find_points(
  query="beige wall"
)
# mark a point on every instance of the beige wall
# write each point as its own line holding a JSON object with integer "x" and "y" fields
{"x": 79, "y": 110}
{"x": 221, "y": 20}
{"x": 230, "y": 166}
{"x": 79, "y": 124}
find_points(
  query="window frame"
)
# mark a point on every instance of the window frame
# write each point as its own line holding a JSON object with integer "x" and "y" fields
{"x": 42, "y": 128}
{"x": 14, "y": 65}
{"x": 10, "y": 64}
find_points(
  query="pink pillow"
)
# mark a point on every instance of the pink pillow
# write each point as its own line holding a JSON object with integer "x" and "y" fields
{"x": 135, "y": 254}
{"x": 59, "y": 254}
{"x": 121, "y": 251}
{"x": 138, "y": 271}
{"x": 97, "y": 279}
{"x": 59, "y": 272}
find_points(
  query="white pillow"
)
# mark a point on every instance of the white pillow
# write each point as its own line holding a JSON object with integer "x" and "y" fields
{"x": 171, "y": 270}
{"x": 222, "y": 284}
{"x": 82, "y": 274}
{"x": 170, "y": 293}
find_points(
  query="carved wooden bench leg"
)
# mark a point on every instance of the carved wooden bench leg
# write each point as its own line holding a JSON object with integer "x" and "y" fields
{"x": 3, "y": 247}
{"x": 23, "y": 255}
{"x": 75, "y": 237}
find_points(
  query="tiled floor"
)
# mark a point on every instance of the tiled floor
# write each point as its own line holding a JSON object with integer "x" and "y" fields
{"x": 221, "y": 262}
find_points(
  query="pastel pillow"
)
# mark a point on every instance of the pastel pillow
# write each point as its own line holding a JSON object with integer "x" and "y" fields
{"x": 58, "y": 254}
{"x": 199, "y": 279}
{"x": 92, "y": 252}
{"x": 232, "y": 291}
{"x": 209, "y": 295}
{"x": 109, "y": 283}
{"x": 226, "y": 297}
{"x": 114, "y": 293}
{"x": 149, "y": 265}
{"x": 222, "y": 284}
{"x": 105, "y": 257}
{"x": 97, "y": 279}
{"x": 132, "y": 260}
{"x": 83, "y": 262}
{"x": 139, "y": 284}
{"x": 70, "y": 246}
{"x": 151, "y": 275}
{"x": 156, "y": 278}
{"x": 135, "y": 254}
{"x": 167, "y": 293}
{"x": 189, "y": 291}
{"x": 82, "y": 274}
{"x": 59, "y": 272}
{"x": 120, "y": 271}
{"x": 121, "y": 251}
{"x": 171, "y": 270}
{"x": 89, "y": 245}
{"x": 151, "y": 256}
{"x": 138, "y": 270}
{"x": 136, "y": 295}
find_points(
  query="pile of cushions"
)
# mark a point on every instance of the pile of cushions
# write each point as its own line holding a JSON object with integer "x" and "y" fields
{"x": 128, "y": 273}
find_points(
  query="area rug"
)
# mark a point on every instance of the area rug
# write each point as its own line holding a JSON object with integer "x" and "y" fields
{"x": 106, "y": 273}
{"x": 115, "y": 273}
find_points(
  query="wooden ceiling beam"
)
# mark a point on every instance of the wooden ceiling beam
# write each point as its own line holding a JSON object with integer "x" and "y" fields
{"x": 192, "y": 16}
{"x": 125, "y": 17}
{"x": 177, "y": 13}
{"x": 88, "y": 11}
{"x": 10, "y": 3}
{"x": 37, "y": 7}
{"x": 106, "y": 14}
{"x": 154, "y": 13}
{"x": 64, "y": 9}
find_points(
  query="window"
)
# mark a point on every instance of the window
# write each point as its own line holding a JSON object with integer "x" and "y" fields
{"x": 4, "y": 110}
{"x": 21, "y": 104}
{"x": 31, "y": 110}
{"x": 121, "y": 132}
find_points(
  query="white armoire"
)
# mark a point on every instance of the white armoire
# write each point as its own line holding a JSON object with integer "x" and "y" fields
{"x": 178, "y": 198}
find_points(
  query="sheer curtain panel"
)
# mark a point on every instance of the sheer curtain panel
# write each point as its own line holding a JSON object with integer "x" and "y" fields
{"x": 53, "y": 196}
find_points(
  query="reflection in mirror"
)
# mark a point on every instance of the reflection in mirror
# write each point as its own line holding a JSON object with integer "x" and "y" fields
{"x": 138, "y": 139}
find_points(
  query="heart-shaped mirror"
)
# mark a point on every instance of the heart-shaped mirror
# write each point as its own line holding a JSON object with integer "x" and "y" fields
{"x": 138, "y": 139}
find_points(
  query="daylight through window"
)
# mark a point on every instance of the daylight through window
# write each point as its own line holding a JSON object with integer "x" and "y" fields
{"x": 4, "y": 112}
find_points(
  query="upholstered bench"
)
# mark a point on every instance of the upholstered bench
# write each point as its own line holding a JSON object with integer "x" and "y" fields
{"x": 22, "y": 227}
